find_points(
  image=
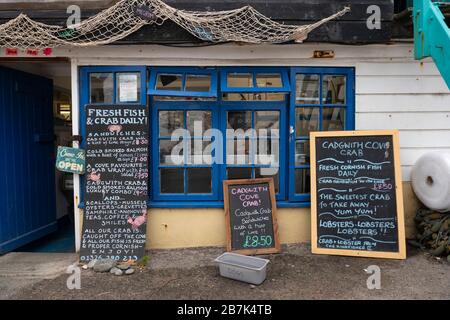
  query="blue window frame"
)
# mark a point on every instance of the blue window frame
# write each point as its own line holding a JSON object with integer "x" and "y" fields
{"x": 316, "y": 98}
{"x": 218, "y": 111}
{"x": 191, "y": 177}
{"x": 252, "y": 80}
{"x": 183, "y": 82}
{"x": 322, "y": 99}
{"x": 266, "y": 113}
{"x": 164, "y": 113}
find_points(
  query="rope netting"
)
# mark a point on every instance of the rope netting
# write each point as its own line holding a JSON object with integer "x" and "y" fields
{"x": 126, "y": 16}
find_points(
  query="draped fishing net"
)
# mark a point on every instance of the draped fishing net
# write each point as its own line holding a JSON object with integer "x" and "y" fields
{"x": 126, "y": 16}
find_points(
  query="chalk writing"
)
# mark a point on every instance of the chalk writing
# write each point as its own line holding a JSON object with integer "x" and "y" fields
{"x": 355, "y": 198}
{"x": 116, "y": 185}
{"x": 250, "y": 215}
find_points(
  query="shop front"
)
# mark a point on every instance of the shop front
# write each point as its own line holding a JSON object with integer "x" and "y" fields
{"x": 198, "y": 108}
{"x": 210, "y": 124}
{"x": 238, "y": 106}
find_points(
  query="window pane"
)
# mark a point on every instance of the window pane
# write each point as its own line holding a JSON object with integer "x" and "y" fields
{"x": 169, "y": 82}
{"x": 267, "y": 120}
{"x": 239, "y": 120}
{"x": 302, "y": 181}
{"x": 333, "y": 119}
{"x": 301, "y": 152}
{"x": 242, "y": 80}
{"x": 128, "y": 87}
{"x": 101, "y": 87}
{"x": 170, "y": 121}
{"x": 239, "y": 151}
{"x": 198, "y": 83}
{"x": 239, "y": 173}
{"x": 267, "y": 126}
{"x": 307, "y": 91}
{"x": 172, "y": 180}
{"x": 199, "y": 180}
{"x": 268, "y": 150}
{"x": 171, "y": 152}
{"x": 269, "y": 173}
{"x": 269, "y": 80}
{"x": 198, "y": 119}
{"x": 333, "y": 89}
{"x": 306, "y": 120}
{"x": 260, "y": 96}
{"x": 200, "y": 152}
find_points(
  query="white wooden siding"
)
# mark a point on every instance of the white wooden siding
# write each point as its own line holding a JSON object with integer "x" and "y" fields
{"x": 409, "y": 96}
{"x": 402, "y": 102}
{"x": 404, "y": 120}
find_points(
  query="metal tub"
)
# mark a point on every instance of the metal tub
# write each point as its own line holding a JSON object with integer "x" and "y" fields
{"x": 243, "y": 268}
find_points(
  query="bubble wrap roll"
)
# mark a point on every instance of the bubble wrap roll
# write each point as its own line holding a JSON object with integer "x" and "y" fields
{"x": 430, "y": 178}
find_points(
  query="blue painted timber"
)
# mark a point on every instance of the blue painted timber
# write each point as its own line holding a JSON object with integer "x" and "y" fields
{"x": 27, "y": 158}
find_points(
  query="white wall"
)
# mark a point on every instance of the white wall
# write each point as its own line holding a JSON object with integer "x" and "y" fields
{"x": 409, "y": 96}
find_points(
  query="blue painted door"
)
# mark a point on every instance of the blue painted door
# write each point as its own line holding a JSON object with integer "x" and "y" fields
{"x": 27, "y": 159}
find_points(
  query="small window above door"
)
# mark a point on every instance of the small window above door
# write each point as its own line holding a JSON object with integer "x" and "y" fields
{"x": 183, "y": 82}
{"x": 114, "y": 85}
{"x": 254, "y": 80}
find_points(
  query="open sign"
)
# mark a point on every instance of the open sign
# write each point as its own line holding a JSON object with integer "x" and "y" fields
{"x": 70, "y": 160}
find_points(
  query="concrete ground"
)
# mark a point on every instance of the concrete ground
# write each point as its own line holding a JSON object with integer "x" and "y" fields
{"x": 293, "y": 274}
{"x": 20, "y": 270}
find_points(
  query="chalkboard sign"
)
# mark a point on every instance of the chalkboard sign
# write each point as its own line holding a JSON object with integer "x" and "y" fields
{"x": 116, "y": 184}
{"x": 250, "y": 210}
{"x": 356, "y": 194}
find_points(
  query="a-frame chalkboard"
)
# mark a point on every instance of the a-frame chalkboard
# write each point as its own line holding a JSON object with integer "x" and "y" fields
{"x": 356, "y": 194}
{"x": 250, "y": 210}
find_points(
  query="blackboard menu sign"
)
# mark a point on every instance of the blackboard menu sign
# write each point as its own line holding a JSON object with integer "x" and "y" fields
{"x": 115, "y": 213}
{"x": 250, "y": 210}
{"x": 356, "y": 194}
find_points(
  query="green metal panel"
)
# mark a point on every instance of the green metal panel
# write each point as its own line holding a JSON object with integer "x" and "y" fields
{"x": 432, "y": 35}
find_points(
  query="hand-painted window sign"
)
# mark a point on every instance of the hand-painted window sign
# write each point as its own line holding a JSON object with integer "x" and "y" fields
{"x": 250, "y": 210}
{"x": 356, "y": 194}
{"x": 116, "y": 186}
{"x": 70, "y": 160}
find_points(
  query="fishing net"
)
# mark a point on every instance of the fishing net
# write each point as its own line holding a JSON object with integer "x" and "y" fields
{"x": 126, "y": 16}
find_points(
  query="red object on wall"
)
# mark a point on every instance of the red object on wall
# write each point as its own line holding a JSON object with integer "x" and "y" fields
{"x": 11, "y": 51}
{"x": 32, "y": 52}
{"x": 47, "y": 51}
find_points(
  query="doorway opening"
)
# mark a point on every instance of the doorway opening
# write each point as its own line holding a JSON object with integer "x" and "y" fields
{"x": 39, "y": 215}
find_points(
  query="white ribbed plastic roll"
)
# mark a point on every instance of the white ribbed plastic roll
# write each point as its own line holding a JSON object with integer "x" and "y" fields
{"x": 430, "y": 179}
